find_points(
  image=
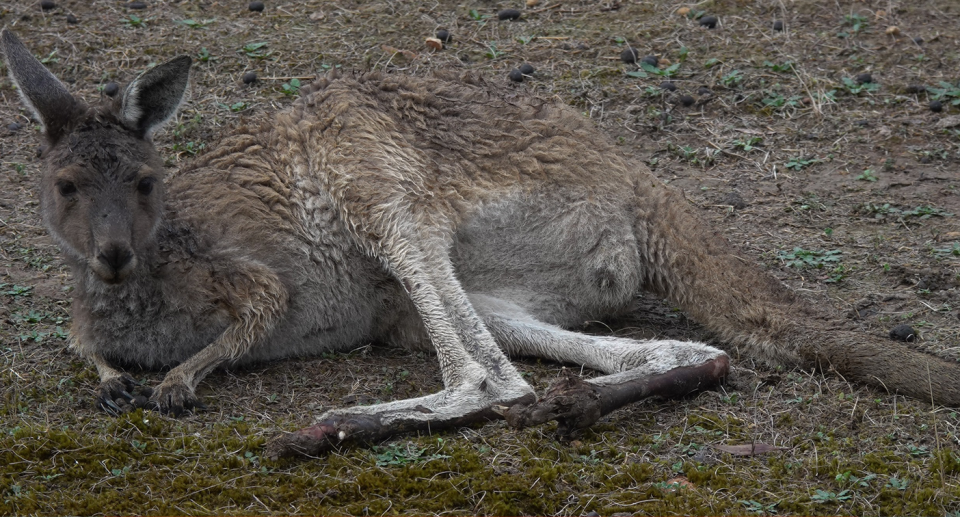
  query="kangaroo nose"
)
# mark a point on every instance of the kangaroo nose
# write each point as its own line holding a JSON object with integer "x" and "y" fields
{"x": 116, "y": 257}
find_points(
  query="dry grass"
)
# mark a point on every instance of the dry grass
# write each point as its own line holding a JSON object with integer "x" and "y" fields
{"x": 848, "y": 450}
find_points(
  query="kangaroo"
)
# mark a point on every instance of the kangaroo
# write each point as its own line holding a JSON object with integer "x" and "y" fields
{"x": 414, "y": 211}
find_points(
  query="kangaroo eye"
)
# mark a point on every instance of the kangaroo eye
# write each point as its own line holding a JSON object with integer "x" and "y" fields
{"x": 66, "y": 188}
{"x": 145, "y": 186}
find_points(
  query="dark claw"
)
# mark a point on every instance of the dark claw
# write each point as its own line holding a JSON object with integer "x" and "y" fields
{"x": 109, "y": 406}
{"x": 116, "y": 389}
{"x": 176, "y": 400}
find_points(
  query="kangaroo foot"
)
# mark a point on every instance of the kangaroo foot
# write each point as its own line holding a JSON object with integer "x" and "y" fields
{"x": 321, "y": 437}
{"x": 572, "y": 402}
{"x": 576, "y": 404}
{"x": 370, "y": 424}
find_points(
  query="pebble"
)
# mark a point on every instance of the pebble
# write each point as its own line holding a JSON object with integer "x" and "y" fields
{"x": 249, "y": 78}
{"x": 629, "y": 55}
{"x": 936, "y": 106}
{"x": 526, "y": 69}
{"x": 903, "y": 333}
{"x": 47, "y": 5}
{"x": 709, "y": 22}
{"x": 778, "y": 26}
{"x": 515, "y": 75}
{"x": 111, "y": 89}
{"x": 256, "y": 7}
{"x": 508, "y": 14}
{"x": 735, "y": 200}
{"x": 444, "y": 36}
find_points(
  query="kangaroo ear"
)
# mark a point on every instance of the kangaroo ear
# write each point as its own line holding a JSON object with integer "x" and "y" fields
{"x": 153, "y": 97}
{"x": 43, "y": 93}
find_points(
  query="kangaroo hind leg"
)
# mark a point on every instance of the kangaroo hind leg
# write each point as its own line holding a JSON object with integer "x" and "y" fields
{"x": 477, "y": 376}
{"x": 635, "y": 369}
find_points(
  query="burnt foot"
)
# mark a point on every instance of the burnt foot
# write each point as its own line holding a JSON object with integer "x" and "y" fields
{"x": 573, "y": 403}
{"x": 310, "y": 441}
{"x": 324, "y": 436}
{"x": 175, "y": 400}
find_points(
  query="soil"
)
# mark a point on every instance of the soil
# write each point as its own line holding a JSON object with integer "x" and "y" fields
{"x": 847, "y": 191}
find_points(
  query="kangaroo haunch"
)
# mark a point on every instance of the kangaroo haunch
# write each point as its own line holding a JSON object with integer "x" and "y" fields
{"x": 414, "y": 211}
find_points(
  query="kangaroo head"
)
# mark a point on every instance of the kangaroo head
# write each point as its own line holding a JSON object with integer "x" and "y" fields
{"x": 101, "y": 191}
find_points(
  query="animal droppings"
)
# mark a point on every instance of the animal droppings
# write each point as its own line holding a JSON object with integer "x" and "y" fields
{"x": 136, "y": 5}
{"x": 256, "y": 7}
{"x": 709, "y": 22}
{"x": 669, "y": 86}
{"x": 526, "y": 69}
{"x": 14, "y": 127}
{"x": 687, "y": 100}
{"x": 864, "y": 78}
{"x": 47, "y": 5}
{"x": 72, "y": 20}
{"x": 650, "y": 60}
{"x": 516, "y": 75}
{"x": 778, "y": 26}
{"x": 936, "y": 106}
{"x": 111, "y": 89}
{"x": 915, "y": 88}
{"x": 903, "y": 333}
{"x": 444, "y": 36}
{"x": 508, "y": 14}
{"x": 703, "y": 91}
{"x": 249, "y": 78}
{"x": 629, "y": 55}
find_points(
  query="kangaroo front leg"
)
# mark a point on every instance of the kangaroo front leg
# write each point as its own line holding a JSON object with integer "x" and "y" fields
{"x": 115, "y": 391}
{"x": 256, "y": 300}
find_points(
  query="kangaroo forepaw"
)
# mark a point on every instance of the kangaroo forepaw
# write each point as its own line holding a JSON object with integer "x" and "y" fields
{"x": 122, "y": 394}
{"x": 175, "y": 400}
{"x": 573, "y": 403}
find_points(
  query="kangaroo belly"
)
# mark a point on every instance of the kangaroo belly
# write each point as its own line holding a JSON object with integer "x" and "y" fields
{"x": 564, "y": 258}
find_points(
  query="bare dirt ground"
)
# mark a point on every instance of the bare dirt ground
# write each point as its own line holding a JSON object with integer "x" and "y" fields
{"x": 847, "y": 190}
